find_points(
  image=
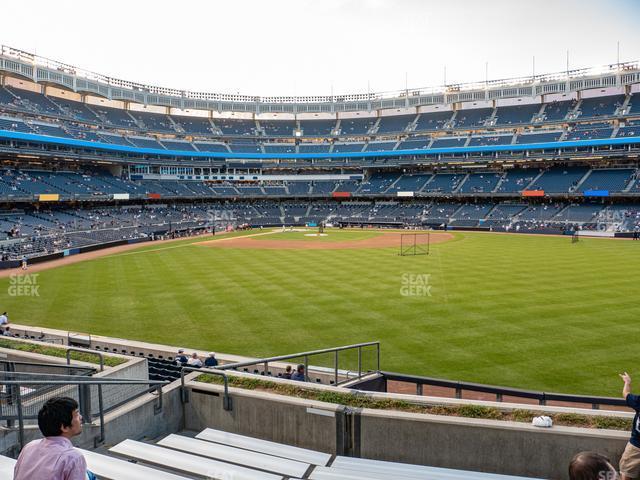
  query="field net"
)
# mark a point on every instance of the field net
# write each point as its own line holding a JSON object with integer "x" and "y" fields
{"x": 414, "y": 244}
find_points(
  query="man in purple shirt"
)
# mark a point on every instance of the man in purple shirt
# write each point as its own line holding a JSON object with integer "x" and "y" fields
{"x": 53, "y": 457}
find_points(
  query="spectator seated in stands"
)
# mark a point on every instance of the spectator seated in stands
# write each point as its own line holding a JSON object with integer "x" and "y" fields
{"x": 181, "y": 358}
{"x": 211, "y": 360}
{"x": 299, "y": 375}
{"x": 53, "y": 457}
{"x": 6, "y": 331}
{"x": 4, "y": 320}
{"x": 287, "y": 372}
{"x": 591, "y": 466}
{"x": 194, "y": 361}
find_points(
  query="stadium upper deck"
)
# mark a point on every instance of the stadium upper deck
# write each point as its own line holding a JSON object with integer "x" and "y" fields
{"x": 568, "y": 112}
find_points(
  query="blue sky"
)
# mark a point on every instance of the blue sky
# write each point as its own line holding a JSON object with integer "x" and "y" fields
{"x": 305, "y": 47}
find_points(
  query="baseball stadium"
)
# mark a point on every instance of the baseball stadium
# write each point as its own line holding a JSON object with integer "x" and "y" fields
{"x": 438, "y": 264}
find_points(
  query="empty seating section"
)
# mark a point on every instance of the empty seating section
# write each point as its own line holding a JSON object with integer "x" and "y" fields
{"x": 235, "y": 126}
{"x": 517, "y": 180}
{"x": 115, "y": 116}
{"x": 557, "y": 111}
{"x": 347, "y": 147}
{"x": 314, "y": 148}
{"x": 472, "y": 117}
{"x": 15, "y": 125}
{"x": 278, "y": 128}
{"x": 317, "y": 128}
{"x": 299, "y": 188}
{"x": 377, "y": 183}
{"x": 506, "y": 211}
{"x": 9, "y": 100}
{"x": 560, "y": 179}
{"x": 470, "y": 215}
{"x": 395, "y": 123}
{"x": 356, "y": 126}
{"x": 480, "y": 183}
{"x": 145, "y": 143}
{"x": 611, "y": 180}
{"x": 245, "y": 148}
{"x": 490, "y": 140}
{"x": 433, "y": 120}
{"x": 578, "y": 213}
{"x": 177, "y": 145}
{"x": 380, "y": 146}
{"x": 414, "y": 143}
{"x": 153, "y": 121}
{"x": 49, "y": 130}
{"x": 211, "y": 147}
{"x": 323, "y": 187}
{"x": 449, "y": 142}
{"x": 115, "y": 139}
{"x": 74, "y": 109}
{"x": 600, "y": 106}
{"x": 35, "y": 101}
{"x": 443, "y": 183}
{"x": 194, "y": 125}
{"x": 629, "y": 131}
{"x": 590, "y": 131}
{"x": 279, "y": 148}
{"x": 517, "y": 114}
{"x": 526, "y": 138}
{"x": 410, "y": 183}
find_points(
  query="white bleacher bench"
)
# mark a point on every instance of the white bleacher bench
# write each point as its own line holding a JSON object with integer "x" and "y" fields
{"x": 187, "y": 462}
{"x": 259, "y": 461}
{"x": 6, "y": 468}
{"x": 110, "y": 468}
{"x": 264, "y": 446}
{"x": 379, "y": 469}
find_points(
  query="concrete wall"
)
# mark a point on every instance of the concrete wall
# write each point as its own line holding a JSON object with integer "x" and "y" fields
{"x": 304, "y": 423}
{"x": 450, "y": 442}
{"x": 479, "y": 445}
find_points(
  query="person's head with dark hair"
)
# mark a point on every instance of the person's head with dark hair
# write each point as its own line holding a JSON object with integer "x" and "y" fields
{"x": 60, "y": 417}
{"x": 591, "y": 466}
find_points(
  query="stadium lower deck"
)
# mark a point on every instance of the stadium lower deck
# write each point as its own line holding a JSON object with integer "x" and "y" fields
{"x": 85, "y": 212}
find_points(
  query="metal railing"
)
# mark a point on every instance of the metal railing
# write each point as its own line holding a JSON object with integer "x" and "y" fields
{"x": 500, "y": 392}
{"x": 23, "y": 395}
{"x": 335, "y": 350}
{"x": 184, "y": 395}
{"x": 88, "y": 352}
{"x": 13, "y": 366}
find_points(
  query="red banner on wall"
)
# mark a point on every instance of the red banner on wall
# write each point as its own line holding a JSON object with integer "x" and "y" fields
{"x": 153, "y": 195}
{"x": 341, "y": 194}
{"x": 533, "y": 193}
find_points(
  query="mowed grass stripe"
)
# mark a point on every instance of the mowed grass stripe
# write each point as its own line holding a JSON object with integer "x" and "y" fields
{"x": 524, "y": 311}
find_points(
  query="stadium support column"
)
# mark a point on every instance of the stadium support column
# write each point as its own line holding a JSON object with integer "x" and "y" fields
{"x": 1, "y": 80}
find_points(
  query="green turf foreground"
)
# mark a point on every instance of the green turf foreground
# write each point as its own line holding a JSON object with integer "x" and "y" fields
{"x": 525, "y": 311}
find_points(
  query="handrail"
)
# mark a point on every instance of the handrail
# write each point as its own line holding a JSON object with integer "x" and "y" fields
{"x": 48, "y": 365}
{"x": 84, "y": 395}
{"x": 226, "y": 399}
{"x": 90, "y": 352}
{"x": 306, "y": 356}
{"x": 500, "y": 392}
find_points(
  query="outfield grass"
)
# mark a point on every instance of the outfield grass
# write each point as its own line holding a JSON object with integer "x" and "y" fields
{"x": 524, "y": 311}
